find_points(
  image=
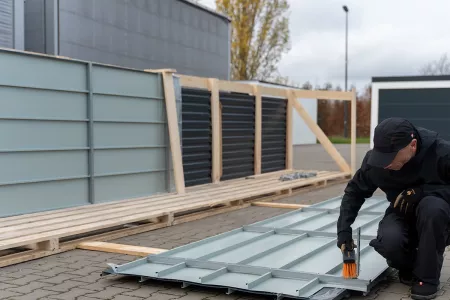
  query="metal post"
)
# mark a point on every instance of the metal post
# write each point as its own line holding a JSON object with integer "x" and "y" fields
{"x": 90, "y": 134}
{"x": 346, "y": 72}
{"x": 358, "y": 247}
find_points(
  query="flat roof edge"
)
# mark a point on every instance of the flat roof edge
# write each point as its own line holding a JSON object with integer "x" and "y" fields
{"x": 207, "y": 9}
{"x": 410, "y": 78}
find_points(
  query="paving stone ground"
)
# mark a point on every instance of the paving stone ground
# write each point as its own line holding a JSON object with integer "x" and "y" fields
{"x": 76, "y": 274}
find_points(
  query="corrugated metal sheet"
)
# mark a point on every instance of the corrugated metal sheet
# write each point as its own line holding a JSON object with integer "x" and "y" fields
{"x": 82, "y": 133}
{"x": 273, "y": 144}
{"x": 238, "y": 135}
{"x": 292, "y": 255}
{"x": 197, "y": 136}
{"x": 6, "y": 23}
{"x": 427, "y": 107}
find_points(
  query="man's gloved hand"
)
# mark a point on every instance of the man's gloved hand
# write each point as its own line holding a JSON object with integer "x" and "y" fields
{"x": 407, "y": 201}
{"x": 345, "y": 239}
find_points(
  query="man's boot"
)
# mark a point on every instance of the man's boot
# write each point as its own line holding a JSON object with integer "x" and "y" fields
{"x": 423, "y": 291}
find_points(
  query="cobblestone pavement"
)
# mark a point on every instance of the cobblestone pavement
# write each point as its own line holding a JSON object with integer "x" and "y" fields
{"x": 76, "y": 274}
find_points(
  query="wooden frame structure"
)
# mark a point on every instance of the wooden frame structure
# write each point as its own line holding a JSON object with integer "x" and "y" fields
{"x": 291, "y": 95}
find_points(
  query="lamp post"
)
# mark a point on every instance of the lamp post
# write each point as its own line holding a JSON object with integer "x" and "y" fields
{"x": 346, "y": 71}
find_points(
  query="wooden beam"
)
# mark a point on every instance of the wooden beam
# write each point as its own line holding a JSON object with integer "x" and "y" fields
{"x": 289, "y": 128}
{"x": 324, "y": 95}
{"x": 193, "y": 82}
{"x": 213, "y": 86}
{"x": 279, "y": 205}
{"x": 353, "y": 133}
{"x": 237, "y": 87}
{"x": 119, "y": 248}
{"x": 258, "y": 129}
{"x": 175, "y": 145}
{"x": 323, "y": 139}
{"x": 271, "y": 91}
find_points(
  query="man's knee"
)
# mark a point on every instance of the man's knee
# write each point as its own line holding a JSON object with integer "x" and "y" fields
{"x": 432, "y": 209}
{"x": 390, "y": 241}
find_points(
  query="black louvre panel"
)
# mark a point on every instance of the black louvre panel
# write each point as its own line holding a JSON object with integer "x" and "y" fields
{"x": 238, "y": 135}
{"x": 273, "y": 156}
{"x": 196, "y": 136}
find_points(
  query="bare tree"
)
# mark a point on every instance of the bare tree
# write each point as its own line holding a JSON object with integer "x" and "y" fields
{"x": 437, "y": 67}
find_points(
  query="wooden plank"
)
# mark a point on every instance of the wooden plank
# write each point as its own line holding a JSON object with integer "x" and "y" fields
{"x": 272, "y": 92}
{"x": 119, "y": 248}
{"x": 193, "y": 82}
{"x": 237, "y": 87}
{"x": 289, "y": 129}
{"x": 324, "y": 95}
{"x": 323, "y": 139}
{"x": 353, "y": 133}
{"x": 215, "y": 119}
{"x": 175, "y": 145}
{"x": 258, "y": 129}
{"x": 279, "y": 205}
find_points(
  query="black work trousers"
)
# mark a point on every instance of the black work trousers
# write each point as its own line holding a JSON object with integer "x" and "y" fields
{"x": 418, "y": 244}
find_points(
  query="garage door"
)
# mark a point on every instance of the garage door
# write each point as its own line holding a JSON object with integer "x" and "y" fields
{"x": 424, "y": 107}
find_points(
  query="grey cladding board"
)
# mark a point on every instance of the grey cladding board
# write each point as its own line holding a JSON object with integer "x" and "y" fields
{"x": 145, "y": 34}
{"x": 293, "y": 255}
{"x": 35, "y": 26}
{"x": 197, "y": 136}
{"x": 427, "y": 107}
{"x": 6, "y": 23}
{"x": 82, "y": 133}
{"x": 238, "y": 135}
{"x": 273, "y": 143}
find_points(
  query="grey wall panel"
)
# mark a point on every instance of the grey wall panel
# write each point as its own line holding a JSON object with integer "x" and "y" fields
{"x": 145, "y": 34}
{"x": 42, "y": 166}
{"x": 426, "y": 107}
{"x": 42, "y": 73}
{"x": 45, "y": 104}
{"x": 6, "y": 24}
{"x": 33, "y": 197}
{"x": 273, "y": 144}
{"x": 238, "y": 135}
{"x": 121, "y": 187}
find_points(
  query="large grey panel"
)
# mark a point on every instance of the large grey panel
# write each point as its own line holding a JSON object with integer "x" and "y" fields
{"x": 35, "y": 26}
{"x": 145, "y": 34}
{"x": 280, "y": 256}
{"x": 73, "y": 133}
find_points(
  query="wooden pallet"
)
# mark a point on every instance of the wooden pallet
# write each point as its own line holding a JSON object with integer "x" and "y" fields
{"x": 41, "y": 234}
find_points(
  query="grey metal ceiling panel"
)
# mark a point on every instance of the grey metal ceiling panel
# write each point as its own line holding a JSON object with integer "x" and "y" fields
{"x": 291, "y": 255}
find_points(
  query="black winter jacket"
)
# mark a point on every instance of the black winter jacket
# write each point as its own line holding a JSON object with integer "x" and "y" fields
{"x": 429, "y": 169}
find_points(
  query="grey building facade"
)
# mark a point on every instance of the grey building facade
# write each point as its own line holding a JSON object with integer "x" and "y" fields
{"x": 12, "y": 24}
{"x": 140, "y": 34}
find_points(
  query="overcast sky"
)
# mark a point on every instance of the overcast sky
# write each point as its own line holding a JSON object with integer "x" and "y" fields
{"x": 386, "y": 38}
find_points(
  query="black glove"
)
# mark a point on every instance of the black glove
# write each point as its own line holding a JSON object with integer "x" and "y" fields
{"x": 407, "y": 201}
{"x": 345, "y": 241}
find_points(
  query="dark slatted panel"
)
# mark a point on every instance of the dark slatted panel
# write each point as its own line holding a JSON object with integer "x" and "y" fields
{"x": 428, "y": 107}
{"x": 273, "y": 145}
{"x": 196, "y": 136}
{"x": 238, "y": 135}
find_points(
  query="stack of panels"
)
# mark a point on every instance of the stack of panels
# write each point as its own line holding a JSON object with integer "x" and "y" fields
{"x": 293, "y": 255}
{"x": 196, "y": 136}
{"x": 238, "y": 135}
{"x": 273, "y": 156}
